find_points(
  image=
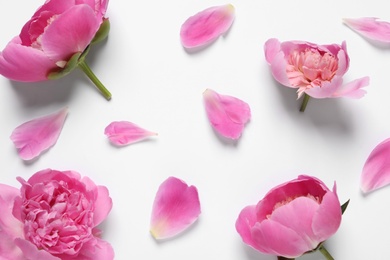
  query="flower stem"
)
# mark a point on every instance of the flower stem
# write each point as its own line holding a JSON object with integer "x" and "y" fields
{"x": 325, "y": 253}
{"x": 285, "y": 258}
{"x": 87, "y": 70}
{"x": 306, "y": 98}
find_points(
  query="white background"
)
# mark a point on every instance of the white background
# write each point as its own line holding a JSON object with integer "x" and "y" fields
{"x": 158, "y": 85}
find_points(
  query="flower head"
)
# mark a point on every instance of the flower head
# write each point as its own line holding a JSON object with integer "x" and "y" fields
{"x": 314, "y": 70}
{"x": 55, "y": 216}
{"x": 292, "y": 218}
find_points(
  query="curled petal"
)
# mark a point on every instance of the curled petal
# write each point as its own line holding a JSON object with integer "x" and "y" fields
{"x": 123, "y": 133}
{"x": 370, "y": 28}
{"x": 37, "y": 135}
{"x": 376, "y": 170}
{"x": 175, "y": 208}
{"x": 228, "y": 115}
{"x": 353, "y": 89}
{"x": 206, "y": 25}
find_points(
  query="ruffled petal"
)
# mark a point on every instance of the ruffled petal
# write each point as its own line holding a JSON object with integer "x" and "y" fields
{"x": 70, "y": 33}
{"x": 31, "y": 252}
{"x": 370, "y": 27}
{"x": 123, "y": 133}
{"x": 376, "y": 170}
{"x": 23, "y": 63}
{"x": 37, "y": 135}
{"x": 227, "y": 115}
{"x": 353, "y": 89}
{"x": 175, "y": 208}
{"x": 206, "y": 25}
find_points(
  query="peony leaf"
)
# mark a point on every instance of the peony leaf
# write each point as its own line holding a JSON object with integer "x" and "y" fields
{"x": 370, "y": 27}
{"x": 206, "y": 26}
{"x": 227, "y": 115}
{"x": 176, "y": 207}
{"x": 376, "y": 170}
{"x": 123, "y": 133}
{"x": 37, "y": 135}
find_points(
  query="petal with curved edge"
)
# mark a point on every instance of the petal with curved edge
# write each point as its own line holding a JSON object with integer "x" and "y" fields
{"x": 70, "y": 33}
{"x": 175, "y": 208}
{"x": 244, "y": 223}
{"x": 23, "y": 63}
{"x": 30, "y": 251}
{"x": 206, "y": 26}
{"x": 370, "y": 27}
{"x": 123, "y": 133}
{"x": 327, "y": 89}
{"x": 227, "y": 115}
{"x": 37, "y": 135}
{"x": 376, "y": 170}
{"x": 353, "y": 89}
{"x": 103, "y": 205}
{"x": 96, "y": 249}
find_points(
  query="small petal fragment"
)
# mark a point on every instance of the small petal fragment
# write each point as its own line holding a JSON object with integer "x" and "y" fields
{"x": 228, "y": 115}
{"x": 123, "y": 133}
{"x": 176, "y": 207}
{"x": 37, "y": 135}
{"x": 370, "y": 28}
{"x": 376, "y": 170}
{"x": 206, "y": 26}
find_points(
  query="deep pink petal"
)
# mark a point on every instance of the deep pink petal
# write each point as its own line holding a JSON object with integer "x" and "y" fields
{"x": 23, "y": 63}
{"x": 124, "y": 133}
{"x": 245, "y": 221}
{"x": 30, "y": 251}
{"x": 370, "y": 28}
{"x": 228, "y": 115}
{"x": 376, "y": 170}
{"x": 273, "y": 238}
{"x": 353, "y": 89}
{"x": 175, "y": 208}
{"x": 103, "y": 205}
{"x": 327, "y": 219}
{"x": 96, "y": 249}
{"x": 37, "y": 135}
{"x": 70, "y": 33}
{"x": 206, "y": 25}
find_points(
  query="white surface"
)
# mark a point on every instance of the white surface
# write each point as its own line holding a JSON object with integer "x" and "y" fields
{"x": 158, "y": 85}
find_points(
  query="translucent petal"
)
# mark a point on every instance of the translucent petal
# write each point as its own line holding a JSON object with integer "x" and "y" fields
{"x": 123, "y": 133}
{"x": 370, "y": 27}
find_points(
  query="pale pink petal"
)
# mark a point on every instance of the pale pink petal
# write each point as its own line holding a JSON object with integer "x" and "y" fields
{"x": 17, "y": 61}
{"x": 96, "y": 249}
{"x": 353, "y": 89}
{"x": 376, "y": 170}
{"x": 206, "y": 25}
{"x": 228, "y": 115}
{"x": 175, "y": 208}
{"x": 37, "y": 135}
{"x": 70, "y": 33}
{"x": 327, "y": 89}
{"x": 244, "y": 223}
{"x": 370, "y": 27}
{"x": 103, "y": 205}
{"x": 123, "y": 133}
{"x": 276, "y": 59}
{"x": 30, "y": 251}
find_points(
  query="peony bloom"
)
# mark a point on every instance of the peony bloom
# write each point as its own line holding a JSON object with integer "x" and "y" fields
{"x": 292, "y": 219}
{"x": 54, "y": 216}
{"x": 314, "y": 70}
{"x": 55, "y": 40}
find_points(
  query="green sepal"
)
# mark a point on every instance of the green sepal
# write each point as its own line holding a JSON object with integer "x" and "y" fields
{"x": 70, "y": 65}
{"x": 344, "y": 206}
{"x": 103, "y": 31}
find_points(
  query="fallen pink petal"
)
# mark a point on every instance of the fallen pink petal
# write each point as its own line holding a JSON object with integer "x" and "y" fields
{"x": 206, "y": 26}
{"x": 38, "y": 135}
{"x": 376, "y": 170}
{"x": 123, "y": 133}
{"x": 227, "y": 115}
{"x": 370, "y": 27}
{"x": 175, "y": 208}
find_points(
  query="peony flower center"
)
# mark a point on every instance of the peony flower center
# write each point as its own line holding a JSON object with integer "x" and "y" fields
{"x": 38, "y": 27}
{"x": 58, "y": 219}
{"x": 310, "y": 68}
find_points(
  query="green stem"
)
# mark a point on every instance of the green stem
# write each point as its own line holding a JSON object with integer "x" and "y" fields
{"x": 285, "y": 258}
{"x": 87, "y": 70}
{"x": 306, "y": 98}
{"x": 325, "y": 253}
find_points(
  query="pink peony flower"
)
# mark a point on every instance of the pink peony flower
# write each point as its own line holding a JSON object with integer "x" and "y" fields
{"x": 54, "y": 216}
{"x": 56, "y": 40}
{"x": 292, "y": 219}
{"x": 314, "y": 70}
